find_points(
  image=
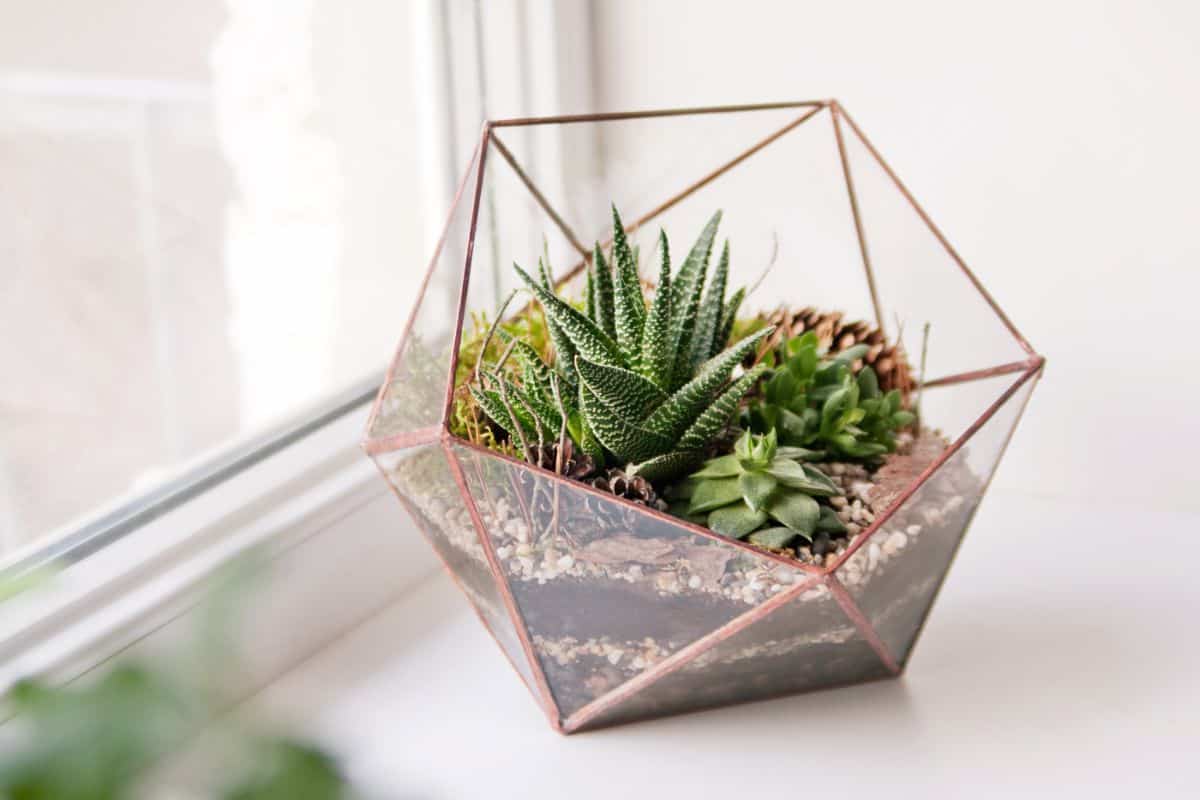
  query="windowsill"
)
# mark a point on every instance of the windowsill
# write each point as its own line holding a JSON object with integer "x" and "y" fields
{"x": 419, "y": 701}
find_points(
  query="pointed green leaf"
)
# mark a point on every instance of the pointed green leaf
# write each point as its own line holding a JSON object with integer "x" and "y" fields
{"x": 683, "y": 407}
{"x": 708, "y": 321}
{"x": 728, "y": 317}
{"x": 868, "y": 383}
{"x": 667, "y": 466}
{"x": 794, "y": 476}
{"x": 591, "y": 342}
{"x": 756, "y": 488}
{"x": 830, "y": 522}
{"x": 629, "y": 307}
{"x": 624, "y": 391}
{"x": 686, "y": 290}
{"x": 627, "y": 442}
{"x": 795, "y": 510}
{"x": 715, "y": 492}
{"x": 721, "y": 467}
{"x": 656, "y": 355}
{"x": 492, "y": 405}
{"x": 902, "y": 419}
{"x": 735, "y": 521}
{"x": 798, "y": 453}
{"x": 603, "y": 283}
{"x": 589, "y": 294}
{"x": 716, "y": 417}
{"x": 773, "y": 538}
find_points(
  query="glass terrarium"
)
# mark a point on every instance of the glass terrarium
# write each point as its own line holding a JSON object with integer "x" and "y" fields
{"x": 610, "y": 610}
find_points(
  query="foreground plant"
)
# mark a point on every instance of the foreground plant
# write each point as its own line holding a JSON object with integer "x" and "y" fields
{"x": 762, "y": 492}
{"x": 645, "y": 385}
{"x": 820, "y": 403}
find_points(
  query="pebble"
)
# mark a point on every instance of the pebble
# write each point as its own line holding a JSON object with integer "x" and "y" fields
{"x": 694, "y": 582}
{"x": 615, "y": 656}
{"x": 853, "y": 529}
{"x": 838, "y": 501}
{"x": 566, "y": 562}
{"x": 913, "y": 530}
{"x": 873, "y": 553}
{"x": 504, "y": 551}
{"x": 524, "y": 550}
{"x": 895, "y": 543}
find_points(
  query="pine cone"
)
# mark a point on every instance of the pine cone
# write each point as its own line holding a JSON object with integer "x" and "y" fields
{"x": 636, "y": 489}
{"x": 577, "y": 466}
{"x": 889, "y": 361}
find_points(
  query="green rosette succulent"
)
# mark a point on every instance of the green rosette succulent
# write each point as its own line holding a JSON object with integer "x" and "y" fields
{"x": 762, "y": 492}
{"x": 648, "y": 385}
{"x": 819, "y": 402}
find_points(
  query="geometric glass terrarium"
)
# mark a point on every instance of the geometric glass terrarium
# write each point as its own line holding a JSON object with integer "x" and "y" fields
{"x": 610, "y": 611}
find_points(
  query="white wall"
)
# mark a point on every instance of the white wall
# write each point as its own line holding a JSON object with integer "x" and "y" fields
{"x": 1054, "y": 143}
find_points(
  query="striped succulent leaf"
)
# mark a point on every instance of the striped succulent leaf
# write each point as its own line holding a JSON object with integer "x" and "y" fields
{"x": 708, "y": 321}
{"x": 625, "y": 439}
{"x": 622, "y": 390}
{"x": 682, "y": 408}
{"x": 716, "y": 417}
{"x": 583, "y": 334}
{"x": 629, "y": 307}
{"x": 686, "y": 291}
{"x": 657, "y": 358}
{"x": 728, "y": 316}
{"x": 602, "y": 285}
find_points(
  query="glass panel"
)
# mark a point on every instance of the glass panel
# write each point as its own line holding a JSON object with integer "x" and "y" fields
{"x": 422, "y": 479}
{"x": 808, "y": 643}
{"x": 895, "y": 573}
{"x": 919, "y": 282}
{"x": 785, "y": 205}
{"x": 607, "y": 590}
{"x": 414, "y": 394}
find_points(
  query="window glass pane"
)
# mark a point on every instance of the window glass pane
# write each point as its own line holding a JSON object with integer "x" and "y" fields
{"x": 213, "y": 216}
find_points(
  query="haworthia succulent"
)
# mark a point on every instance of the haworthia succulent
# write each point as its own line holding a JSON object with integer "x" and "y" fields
{"x": 657, "y": 357}
{"x": 648, "y": 384}
{"x": 627, "y": 441}
{"x": 685, "y": 297}
{"x": 629, "y": 307}
{"x": 587, "y": 339}
{"x": 708, "y": 321}
{"x": 622, "y": 390}
{"x": 672, "y": 417}
{"x": 602, "y": 280}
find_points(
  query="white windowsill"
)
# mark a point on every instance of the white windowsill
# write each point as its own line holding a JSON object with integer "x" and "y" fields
{"x": 1004, "y": 696}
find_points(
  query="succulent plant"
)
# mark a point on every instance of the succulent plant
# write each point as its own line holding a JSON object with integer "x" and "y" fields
{"x": 647, "y": 385}
{"x": 820, "y": 403}
{"x": 762, "y": 492}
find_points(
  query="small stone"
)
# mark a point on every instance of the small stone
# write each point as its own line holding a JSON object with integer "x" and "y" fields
{"x": 873, "y": 555}
{"x": 635, "y": 571}
{"x": 524, "y": 550}
{"x": 838, "y": 501}
{"x": 566, "y": 562}
{"x": 853, "y": 529}
{"x": 694, "y": 582}
{"x": 822, "y": 544}
{"x": 503, "y": 552}
{"x": 895, "y": 543}
{"x": 913, "y": 530}
{"x": 615, "y": 656}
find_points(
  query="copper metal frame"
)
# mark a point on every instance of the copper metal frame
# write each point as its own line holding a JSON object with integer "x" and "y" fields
{"x": 1026, "y": 370}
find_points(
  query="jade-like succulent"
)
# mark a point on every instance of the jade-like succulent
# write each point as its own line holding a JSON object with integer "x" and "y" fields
{"x": 819, "y": 403}
{"x": 762, "y": 491}
{"x": 647, "y": 385}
